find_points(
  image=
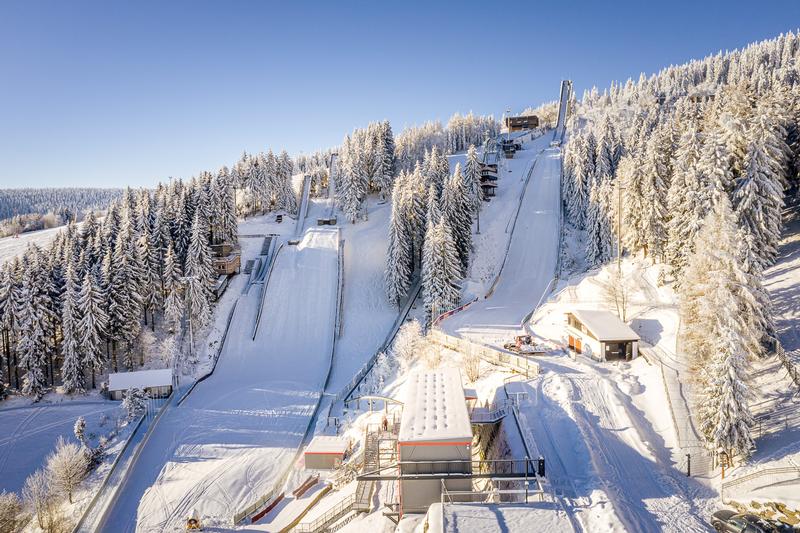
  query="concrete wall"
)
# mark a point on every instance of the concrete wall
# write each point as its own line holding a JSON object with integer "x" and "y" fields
{"x": 417, "y": 495}
{"x": 322, "y": 461}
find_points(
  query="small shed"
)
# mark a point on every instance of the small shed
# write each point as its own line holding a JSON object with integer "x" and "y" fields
{"x": 435, "y": 438}
{"x": 156, "y": 383}
{"x": 601, "y": 335}
{"x": 325, "y": 452}
{"x": 227, "y": 265}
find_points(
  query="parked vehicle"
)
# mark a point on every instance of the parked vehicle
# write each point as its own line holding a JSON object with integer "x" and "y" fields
{"x": 523, "y": 344}
{"x": 727, "y": 521}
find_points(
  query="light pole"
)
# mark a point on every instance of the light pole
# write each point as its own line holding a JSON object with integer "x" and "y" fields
{"x": 619, "y": 224}
{"x": 508, "y": 124}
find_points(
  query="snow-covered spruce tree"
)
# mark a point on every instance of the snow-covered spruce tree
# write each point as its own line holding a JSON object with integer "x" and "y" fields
{"x": 654, "y": 189}
{"x": 759, "y": 191}
{"x": 399, "y": 260}
{"x": 682, "y": 201}
{"x": 150, "y": 285}
{"x": 32, "y": 339}
{"x": 134, "y": 402}
{"x": 72, "y": 368}
{"x": 472, "y": 176}
{"x": 583, "y": 174}
{"x": 594, "y": 228}
{"x": 286, "y": 199}
{"x": 387, "y": 169}
{"x": 199, "y": 276}
{"x": 605, "y": 157}
{"x": 634, "y": 204}
{"x": 79, "y": 429}
{"x": 457, "y": 210}
{"x": 173, "y": 302}
{"x": 440, "y": 267}
{"x": 714, "y": 294}
{"x": 92, "y": 325}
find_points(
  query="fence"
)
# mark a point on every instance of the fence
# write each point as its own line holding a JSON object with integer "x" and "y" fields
{"x": 83, "y": 524}
{"x": 791, "y": 368}
{"x": 772, "y": 474}
{"x": 331, "y": 515}
{"x": 516, "y": 363}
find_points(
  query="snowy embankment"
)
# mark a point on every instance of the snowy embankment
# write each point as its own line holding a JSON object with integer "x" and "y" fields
{"x": 11, "y": 247}
{"x": 530, "y": 264}
{"x": 233, "y": 436}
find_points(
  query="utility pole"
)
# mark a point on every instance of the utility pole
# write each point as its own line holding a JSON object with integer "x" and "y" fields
{"x": 619, "y": 225}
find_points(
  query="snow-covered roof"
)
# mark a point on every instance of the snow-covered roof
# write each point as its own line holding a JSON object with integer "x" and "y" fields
{"x": 604, "y": 325}
{"x": 435, "y": 408}
{"x": 140, "y": 379}
{"x": 324, "y": 444}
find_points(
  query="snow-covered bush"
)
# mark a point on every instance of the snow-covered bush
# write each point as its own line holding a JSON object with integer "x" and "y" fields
{"x": 67, "y": 466}
{"x": 134, "y": 402}
{"x": 12, "y": 515}
{"x": 42, "y": 500}
{"x": 407, "y": 344}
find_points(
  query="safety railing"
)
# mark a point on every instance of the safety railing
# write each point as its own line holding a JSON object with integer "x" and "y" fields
{"x": 328, "y": 517}
{"x": 786, "y": 473}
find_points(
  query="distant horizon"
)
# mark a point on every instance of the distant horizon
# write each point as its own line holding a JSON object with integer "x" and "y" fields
{"x": 130, "y": 95}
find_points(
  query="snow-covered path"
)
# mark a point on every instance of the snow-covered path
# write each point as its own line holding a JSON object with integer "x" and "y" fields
{"x": 601, "y": 448}
{"x": 237, "y": 431}
{"x": 532, "y": 255}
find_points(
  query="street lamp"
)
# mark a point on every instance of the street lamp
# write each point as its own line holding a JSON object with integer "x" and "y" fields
{"x": 508, "y": 124}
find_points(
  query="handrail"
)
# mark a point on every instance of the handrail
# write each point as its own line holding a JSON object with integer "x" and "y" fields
{"x": 104, "y": 483}
{"x": 216, "y": 356}
{"x": 755, "y": 475}
{"x": 137, "y": 452}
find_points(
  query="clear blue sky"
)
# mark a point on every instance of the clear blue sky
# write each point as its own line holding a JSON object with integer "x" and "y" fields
{"x": 111, "y": 93}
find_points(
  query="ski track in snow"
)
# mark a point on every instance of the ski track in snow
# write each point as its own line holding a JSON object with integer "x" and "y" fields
{"x": 225, "y": 445}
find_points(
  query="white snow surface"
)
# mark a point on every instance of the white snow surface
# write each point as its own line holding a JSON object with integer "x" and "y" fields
{"x": 11, "y": 247}
{"x": 538, "y": 517}
{"x": 435, "y": 408}
{"x": 237, "y": 431}
{"x": 140, "y": 378}
{"x": 605, "y": 325}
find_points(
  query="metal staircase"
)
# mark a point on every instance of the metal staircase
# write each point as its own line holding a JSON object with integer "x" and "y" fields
{"x": 489, "y": 415}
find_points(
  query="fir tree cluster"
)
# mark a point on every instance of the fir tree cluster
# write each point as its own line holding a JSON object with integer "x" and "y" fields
{"x": 366, "y": 165}
{"x": 461, "y": 132}
{"x": 264, "y": 183}
{"x": 73, "y": 311}
{"x": 430, "y": 230}
{"x": 694, "y": 164}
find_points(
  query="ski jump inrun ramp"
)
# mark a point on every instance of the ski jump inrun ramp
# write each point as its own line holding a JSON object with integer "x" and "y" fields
{"x": 236, "y": 432}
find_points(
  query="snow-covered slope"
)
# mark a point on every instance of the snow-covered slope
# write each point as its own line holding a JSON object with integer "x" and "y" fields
{"x": 532, "y": 255}
{"x": 237, "y": 431}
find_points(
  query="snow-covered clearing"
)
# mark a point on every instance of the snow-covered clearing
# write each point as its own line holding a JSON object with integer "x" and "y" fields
{"x": 539, "y": 517}
{"x": 29, "y": 433}
{"x": 532, "y": 254}
{"x": 233, "y": 436}
{"x": 10, "y": 247}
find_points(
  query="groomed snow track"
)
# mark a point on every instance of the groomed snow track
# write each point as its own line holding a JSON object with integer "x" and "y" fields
{"x": 234, "y": 435}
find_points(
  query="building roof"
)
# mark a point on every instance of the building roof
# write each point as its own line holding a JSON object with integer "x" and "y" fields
{"x": 605, "y": 326}
{"x": 435, "y": 408}
{"x": 140, "y": 379}
{"x": 470, "y": 394}
{"x": 324, "y": 444}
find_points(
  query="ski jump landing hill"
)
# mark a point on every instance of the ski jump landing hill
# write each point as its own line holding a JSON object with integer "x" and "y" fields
{"x": 531, "y": 260}
{"x": 234, "y": 435}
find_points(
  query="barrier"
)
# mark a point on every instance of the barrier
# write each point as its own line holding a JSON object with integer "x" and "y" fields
{"x": 766, "y": 472}
{"x": 513, "y": 362}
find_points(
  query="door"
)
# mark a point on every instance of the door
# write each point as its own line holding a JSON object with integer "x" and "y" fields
{"x": 571, "y": 341}
{"x": 578, "y": 345}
